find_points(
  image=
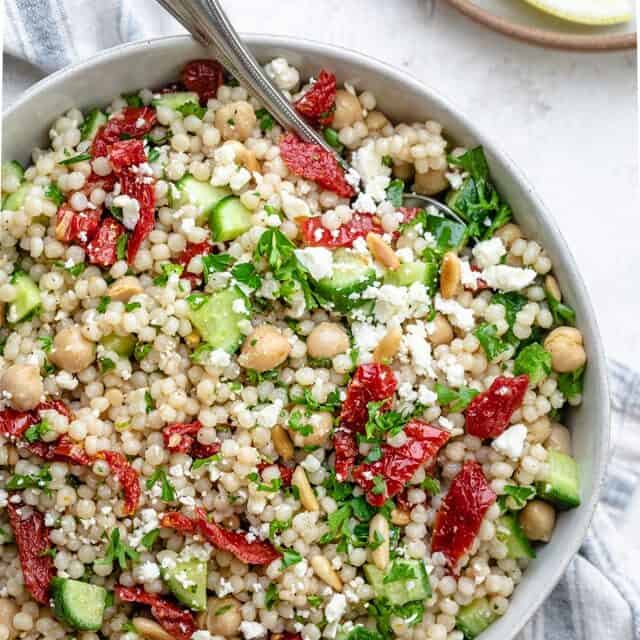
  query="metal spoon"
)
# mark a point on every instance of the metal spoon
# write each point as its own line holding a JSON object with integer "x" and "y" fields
{"x": 208, "y": 24}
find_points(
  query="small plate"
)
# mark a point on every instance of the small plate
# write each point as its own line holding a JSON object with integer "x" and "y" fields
{"x": 517, "y": 19}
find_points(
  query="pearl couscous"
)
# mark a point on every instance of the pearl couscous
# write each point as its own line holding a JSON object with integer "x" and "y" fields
{"x": 246, "y": 394}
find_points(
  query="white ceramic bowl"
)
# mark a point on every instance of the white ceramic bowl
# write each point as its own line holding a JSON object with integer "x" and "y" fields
{"x": 155, "y": 62}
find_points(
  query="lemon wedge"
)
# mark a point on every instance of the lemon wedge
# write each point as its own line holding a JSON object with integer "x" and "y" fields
{"x": 587, "y": 11}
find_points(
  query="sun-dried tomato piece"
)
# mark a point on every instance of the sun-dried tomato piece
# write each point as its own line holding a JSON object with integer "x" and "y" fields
{"x": 127, "y": 477}
{"x": 371, "y": 382}
{"x": 312, "y": 162}
{"x": 14, "y": 423}
{"x": 345, "y": 447}
{"x": 398, "y": 464}
{"x": 141, "y": 188}
{"x": 204, "y": 77}
{"x": 178, "y": 623}
{"x": 125, "y": 153}
{"x": 316, "y": 235}
{"x": 286, "y": 473}
{"x": 94, "y": 181}
{"x": 32, "y": 537}
{"x": 318, "y": 103}
{"x": 461, "y": 512}
{"x": 235, "y": 542}
{"x": 77, "y": 226}
{"x": 102, "y": 250}
{"x": 192, "y": 250}
{"x": 131, "y": 122}
{"x": 489, "y": 413}
{"x": 64, "y": 449}
{"x": 181, "y": 437}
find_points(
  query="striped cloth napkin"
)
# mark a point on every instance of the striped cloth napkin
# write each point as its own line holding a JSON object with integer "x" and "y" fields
{"x": 599, "y": 595}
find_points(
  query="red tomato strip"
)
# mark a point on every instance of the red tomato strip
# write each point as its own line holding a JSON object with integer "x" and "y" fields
{"x": 489, "y": 413}
{"x": 235, "y": 542}
{"x": 177, "y": 622}
{"x": 102, "y": 250}
{"x": 346, "y": 452}
{"x": 32, "y": 537}
{"x": 315, "y": 235}
{"x": 204, "y": 77}
{"x": 77, "y": 226}
{"x": 461, "y": 512}
{"x": 181, "y": 437}
{"x": 127, "y": 477}
{"x": 318, "y": 104}
{"x": 126, "y": 153}
{"x": 64, "y": 449}
{"x": 398, "y": 464}
{"x": 141, "y": 188}
{"x": 14, "y": 423}
{"x": 312, "y": 162}
{"x": 131, "y": 122}
{"x": 184, "y": 258}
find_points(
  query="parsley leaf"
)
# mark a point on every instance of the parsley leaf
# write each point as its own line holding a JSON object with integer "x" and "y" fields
{"x": 331, "y": 404}
{"x": 246, "y": 273}
{"x": 38, "y": 480}
{"x": 150, "y": 405}
{"x": 103, "y": 304}
{"x": 133, "y": 100}
{"x": 332, "y": 138}
{"x": 46, "y": 342}
{"x": 455, "y": 399}
{"x": 81, "y": 157}
{"x": 533, "y": 361}
{"x": 215, "y": 262}
{"x": 168, "y": 269}
{"x": 148, "y": 539}
{"x": 278, "y": 526}
{"x": 141, "y": 350}
{"x": 265, "y": 119}
{"x": 395, "y": 191}
{"x": 515, "y": 497}
{"x": 121, "y": 246}
{"x": 167, "y": 493}
{"x": 492, "y": 344}
{"x": 203, "y": 462}
{"x": 383, "y": 423}
{"x": 399, "y": 571}
{"x": 106, "y": 364}
{"x": 290, "y": 557}
{"x": 379, "y": 485}
{"x": 118, "y": 551}
{"x": 570, "y": 384}
{"x": 562, "y": 313}
{"x": 192, "y": 109}
{"x": 53, "y": 193}
{"x": 271, "y": 596}
{"x": 36, "y": 431}
{"x": 296, "y": 424}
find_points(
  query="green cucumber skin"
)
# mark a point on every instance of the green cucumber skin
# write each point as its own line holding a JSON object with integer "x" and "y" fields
{"x": 176, "y": 99}
{"x": 398, "y": 592}
{"x": 195, "y": 570}
{"x": 12, "y": 168}
{"x": 92, "y": 123}
{"x": 229, "y": 219}
{"x": 27, "y": 298}
{"x": 122, "y": 345}
{"x": 73, "y": 602}
{"x": 562, "y": 487}
{"x": 200, "y": 194}
{"x": 474, "y": 618}
{"x": 351, "y": 275}
{"x": 509, "y": 532}
{"x": 15, "y": 200}
{"x": 406, "y": 274}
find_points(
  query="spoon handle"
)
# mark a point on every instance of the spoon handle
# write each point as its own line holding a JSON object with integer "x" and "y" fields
{"x": 209, "y": 24}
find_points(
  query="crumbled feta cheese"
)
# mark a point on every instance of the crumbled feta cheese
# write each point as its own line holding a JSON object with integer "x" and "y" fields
{"x": 506, "y": 278}
{"x": 510, "y": 443}
{"x": 460, "y": 316}
{"x": 285, "y": 76}
{"x": 468, "y": 276}
{"x": 454, "y": 178}
{"x": 318, "y": 261}
{"x": 148, "y": 571}
{"x": 311, "y": 463}
{"x": 226, "y": 154}
{"x": 364, "y": 203}
{"x": 415, "y": 339}
{"x": 293, "y": 207}
{"x": 201, "y": 634}
{"x": 336, "y": 607}
{"x": 488, "y": 252}
{"x": 405, "y": 255}
{"x": 252, "y": 630}
{"x": 374, "y": 173}
{"x": 240, "y": 179}
{"x": 267, "y": 416}
{"x": 130, "y": 210}
{"x": 426, "y": 396}
{"x": 367, "y": 336}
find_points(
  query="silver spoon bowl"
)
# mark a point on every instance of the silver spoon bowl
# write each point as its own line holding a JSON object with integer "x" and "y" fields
{"x": 208, "y": 23}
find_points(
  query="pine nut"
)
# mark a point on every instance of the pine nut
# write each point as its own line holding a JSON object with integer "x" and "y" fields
{"x": 150, "y": 629}
{"x": 552, "y": 288}
{"x": 326, "y": 572}
{"x": 379, "y": 531}
{"x": 387, "y": 348}
{"x": 449, "y": 274}
{"x": 123, "y": 288}
{"x": 282, "y": 442}
{"x": 250, "y": 161}
{"x": 400, "y": 517}
{"x": 192, "y": 339}
{"x": 63, "y": 224}
{"x": 307, "y": 496}
{"x": 382, "y": 252}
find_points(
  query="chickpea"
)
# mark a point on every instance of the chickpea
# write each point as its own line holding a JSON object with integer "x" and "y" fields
{"x": 509, "y": 233}
{"x": 236, "y": 120}
{"x": 431, "y": 182}
{"x": 22, "y": 384}
{"x": 8, "y": 609}
{"x": 265, "y": 348}
{"x": 376, "y": 120}
{"x": 442, "y": 333}
{"x": 559, "y": 438}
{"x": 403, "y": 170}
{"x": 327, "y": 340}
{"x": 539, "y": 430}
{"x": 321, "y": 423}
{"x": 565, "y": 346}
{"x": 348, "y": 110}
{"x": 537, "y": 520}
{"x": 71, "y": 350}
{"x": 222, "y": 617}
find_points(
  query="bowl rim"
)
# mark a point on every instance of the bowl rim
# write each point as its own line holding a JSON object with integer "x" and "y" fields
{"x": 309, "y": 47}
{"x": 546, "y": 38}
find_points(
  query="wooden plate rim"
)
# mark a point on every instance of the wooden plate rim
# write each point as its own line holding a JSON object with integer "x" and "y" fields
{"x": 545, "y": 38}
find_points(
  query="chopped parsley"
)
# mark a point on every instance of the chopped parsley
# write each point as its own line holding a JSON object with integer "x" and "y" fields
{"x": 399, "y": 571}
{"x": 36, "y": 431}
{"x": 53, "y": 193}
{"x": 106, "y": 364}
{"x": 395, "y": 191}
{"x": 168, "y": 269}
{"x": 103, "y": 304}
{"x": 150, "y": 405}
{"x": 290, "y": 557}
{"x": 148, "y": 539}
{"x": 118, "y": 551}
{"x": 272, "y": 487}
{"x": 431, "y": 485}
{"x": 515, "y": 497}
{"x": 278, "y": 526}
{"x": 46, "y": 343}
{"x": 271, "y": 596}
{"x": 533, "y": 361}
{"x": 167, "y": 492}
{"x": 331, "y": 403}
{"x": 192, "y": 109}
{"x": 121, "y": 246}
{"x": 332, "y": 138}
{"x": 382, "y": 424}
{"x": 296, "y": 424}
{"x": 215, "y": 262}
{"x": 265, "y": 119}
{"x": 38, "y": 480}
{"x": 492, "y": 344}
{"x": 141, "y": 350}
{"x": 455, "y": 399}
{"x": 246, "y": 274}
{"x": 203, "y": 462}
{"x": 81, "y": 157}
{"x": 571, "y": 384}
